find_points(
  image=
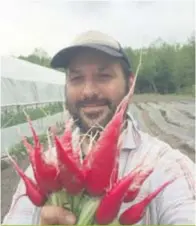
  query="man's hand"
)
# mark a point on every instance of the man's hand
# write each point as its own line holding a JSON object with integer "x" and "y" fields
{"x": 54, "y": 215}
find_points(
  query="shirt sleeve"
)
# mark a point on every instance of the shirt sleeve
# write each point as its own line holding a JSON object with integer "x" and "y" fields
{"x": 22, "y": 211}
{"x": 176, "y": 204}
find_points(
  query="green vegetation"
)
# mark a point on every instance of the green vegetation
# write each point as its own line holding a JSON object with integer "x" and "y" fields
{"x": 166, "y": 68}
{"x": 152, "y": 97}
{"x": 11, "y": 117}
{"x": 39, "y": 56}
{"x": 19, "y": 148}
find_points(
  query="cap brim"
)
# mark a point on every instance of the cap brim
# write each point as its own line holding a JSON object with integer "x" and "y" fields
{"x": 63, "y": 57}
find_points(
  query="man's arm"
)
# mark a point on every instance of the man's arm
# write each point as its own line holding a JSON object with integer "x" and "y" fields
{"x": 176, "y": 204}
{"x": 22, "y": 211}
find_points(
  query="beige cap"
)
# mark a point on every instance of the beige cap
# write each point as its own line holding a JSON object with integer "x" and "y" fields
{"x": 90, "y": 39}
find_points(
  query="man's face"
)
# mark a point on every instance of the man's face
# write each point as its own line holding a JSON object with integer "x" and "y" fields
{"x": 95, "y": 85}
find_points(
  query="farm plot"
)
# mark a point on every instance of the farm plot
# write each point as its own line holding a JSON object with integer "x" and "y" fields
{"x": 172, "y": 122}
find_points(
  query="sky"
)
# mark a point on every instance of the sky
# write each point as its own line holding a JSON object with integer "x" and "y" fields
{"x": 53, "y": 24}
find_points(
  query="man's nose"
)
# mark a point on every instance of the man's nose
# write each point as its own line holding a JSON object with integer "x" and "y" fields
{"x": 90, "y": 89}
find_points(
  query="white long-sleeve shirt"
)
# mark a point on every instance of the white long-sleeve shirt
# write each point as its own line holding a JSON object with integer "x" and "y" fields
{"x": 175, "y": 205}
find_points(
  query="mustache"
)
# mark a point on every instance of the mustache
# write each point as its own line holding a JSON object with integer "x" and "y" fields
{"x": 89, "y": 101}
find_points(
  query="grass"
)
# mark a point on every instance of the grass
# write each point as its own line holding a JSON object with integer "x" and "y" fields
{"x": 9, "y": 117}
{"x": 20, "y": 150}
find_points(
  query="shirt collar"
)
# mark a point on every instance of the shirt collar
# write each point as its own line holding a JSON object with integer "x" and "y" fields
{"x": 131, "y": 138}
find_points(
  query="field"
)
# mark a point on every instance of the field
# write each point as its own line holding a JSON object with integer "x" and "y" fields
{"x": 170, "y": 118}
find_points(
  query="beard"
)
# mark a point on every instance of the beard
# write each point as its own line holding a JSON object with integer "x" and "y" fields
{"x": 95, "y": 122}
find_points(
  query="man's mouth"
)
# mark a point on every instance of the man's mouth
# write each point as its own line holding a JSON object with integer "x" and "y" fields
{"x": 93, "y": 108}
{"x": 93, "y": 115}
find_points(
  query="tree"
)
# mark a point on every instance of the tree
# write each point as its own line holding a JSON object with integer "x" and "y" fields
{"x": 38, "y": 56}
{"x": 166, "y": 68}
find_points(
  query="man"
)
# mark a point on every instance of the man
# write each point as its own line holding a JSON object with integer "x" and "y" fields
{"x": 98, "y": 76}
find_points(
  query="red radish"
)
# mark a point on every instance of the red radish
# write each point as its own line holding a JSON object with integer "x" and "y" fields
{"x": 137, "y": 211}
{"x": 35, "y": 137}
{"x": 49, "y": 176}
{"x": 126, "y": 99}
{"x": 102, "y": 159}
{"x": 133, "y": 192}
{"x": 66, "y": 141}
{"x": 67, "y": 136}
{"x": 33, "y": 191}
{"x": 114, "y": 176}
{"x": 69, "y": 167}
{"x": 46, "y": 174}
{"x": 70, "y": 182}
{"x": 30, "y": 151}
{"x": 110, "y": 204}
{"x": 67, "y": 160}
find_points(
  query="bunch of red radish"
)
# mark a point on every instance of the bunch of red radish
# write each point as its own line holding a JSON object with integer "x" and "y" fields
{"x": 97, "y": 174}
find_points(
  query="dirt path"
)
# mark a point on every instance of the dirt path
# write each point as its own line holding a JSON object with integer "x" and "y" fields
{"x": 9, "y": 182}
{"x": 9, "y": 178}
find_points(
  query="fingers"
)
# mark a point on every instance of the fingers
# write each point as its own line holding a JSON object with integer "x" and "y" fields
{"x": 51, "y": 215}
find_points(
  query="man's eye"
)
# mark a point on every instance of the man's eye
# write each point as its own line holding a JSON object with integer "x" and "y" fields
{"x": 105, "y": 77}
{"x": 76, "y": 78}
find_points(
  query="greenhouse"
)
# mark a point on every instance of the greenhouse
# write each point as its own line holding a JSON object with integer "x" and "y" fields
{"x": 37, "y": 90}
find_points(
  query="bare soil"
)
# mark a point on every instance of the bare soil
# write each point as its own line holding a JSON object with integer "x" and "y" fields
{"x": 9, "y": 183}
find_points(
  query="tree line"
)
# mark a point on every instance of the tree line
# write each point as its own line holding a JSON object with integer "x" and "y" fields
{"x": 166, "y": 68}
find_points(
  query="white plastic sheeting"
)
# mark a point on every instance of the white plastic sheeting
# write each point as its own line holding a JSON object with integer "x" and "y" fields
{"x": 10, "y": 136}
{"x": 27, "y": 83}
